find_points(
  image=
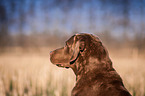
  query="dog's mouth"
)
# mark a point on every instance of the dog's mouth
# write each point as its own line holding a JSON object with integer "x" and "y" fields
{"x": 60, "y": 65}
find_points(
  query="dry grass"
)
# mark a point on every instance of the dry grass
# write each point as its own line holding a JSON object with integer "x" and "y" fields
{"x": 32, "y": 74}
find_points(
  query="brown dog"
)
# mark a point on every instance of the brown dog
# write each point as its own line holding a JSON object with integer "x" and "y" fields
{"x": 88, "y": 58}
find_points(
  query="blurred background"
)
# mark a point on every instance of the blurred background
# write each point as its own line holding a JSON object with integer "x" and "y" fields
{"x": 30, "y": 29}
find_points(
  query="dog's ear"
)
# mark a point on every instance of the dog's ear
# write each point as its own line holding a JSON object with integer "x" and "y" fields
{"x": 82, "y": 46}
{"x": 79, "y": 47}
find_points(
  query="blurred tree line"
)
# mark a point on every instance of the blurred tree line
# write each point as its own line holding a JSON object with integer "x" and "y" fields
{"x": 35, "y": 23}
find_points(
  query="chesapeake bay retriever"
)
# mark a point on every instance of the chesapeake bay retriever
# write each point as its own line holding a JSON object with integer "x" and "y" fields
{"x": 89, "y": 60}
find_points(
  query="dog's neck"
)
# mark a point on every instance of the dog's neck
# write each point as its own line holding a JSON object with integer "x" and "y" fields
{"x": 91, "y": 65}
{"x": 91, "y": 59}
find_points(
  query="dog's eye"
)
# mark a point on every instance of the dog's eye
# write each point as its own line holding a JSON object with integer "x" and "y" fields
{"x": 66, "y": 45}
{"x": 66, "y": 48}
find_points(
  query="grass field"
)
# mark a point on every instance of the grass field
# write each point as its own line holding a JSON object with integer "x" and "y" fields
{"x": 32, "y": 74}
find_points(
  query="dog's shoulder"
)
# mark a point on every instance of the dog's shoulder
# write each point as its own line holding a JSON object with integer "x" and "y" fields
{"x": 100, "y": 84}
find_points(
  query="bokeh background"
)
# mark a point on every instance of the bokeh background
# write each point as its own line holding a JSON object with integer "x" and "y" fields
{"x": 30, "y": 29}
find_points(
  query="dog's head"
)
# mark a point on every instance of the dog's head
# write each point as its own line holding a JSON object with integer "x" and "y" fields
{"x": 79, "y": 48}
